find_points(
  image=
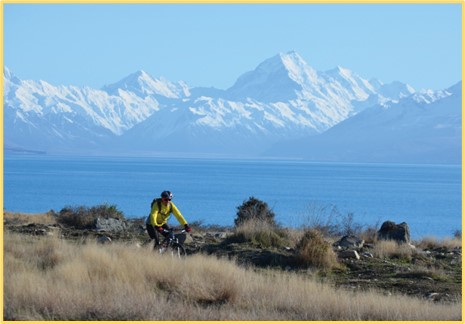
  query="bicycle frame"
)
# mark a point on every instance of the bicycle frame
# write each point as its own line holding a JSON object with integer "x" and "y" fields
{"x": 172, "y": 244}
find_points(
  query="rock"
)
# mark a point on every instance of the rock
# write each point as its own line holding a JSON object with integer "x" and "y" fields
{"x": 104, "y": 239}
{"x": 188, "y": 239}
{"x": 217, "y": 235}
{"x": 349, "y": 254}
{"x": 110, "y": 225}
{"x": 54, "y": 230}
{"x": 454, "y": 262}
{"x": 396, "y": 232}
{"x": 350, "y": 241}
{"x": 434, "y": 296}
{"x": 367, "y": 255}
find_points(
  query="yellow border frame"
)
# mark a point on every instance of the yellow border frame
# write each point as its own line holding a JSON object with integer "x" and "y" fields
{"x": 462, "y": 2}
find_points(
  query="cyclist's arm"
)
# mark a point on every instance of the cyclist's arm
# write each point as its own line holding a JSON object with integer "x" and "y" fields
{"x": 178, "y": 215}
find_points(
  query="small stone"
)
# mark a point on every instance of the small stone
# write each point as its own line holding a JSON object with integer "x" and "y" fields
{"x": 349, "y": 254}
{"x": 104, "y": 240}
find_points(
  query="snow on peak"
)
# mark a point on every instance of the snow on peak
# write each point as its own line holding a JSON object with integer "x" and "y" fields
{"x": 429, "y": 96}
{"x": 343, "y": 71}
{"x": 9, "y": 76}
{"x": 143, "y": 84}
{"x": 376, "y": 83}
{"x": 6, "y": 72}
{"x": 298, "y": 69}
{"x": 396, "y": 90}
{"x": 278, "y": 78}
{"x": 357, "y": 87}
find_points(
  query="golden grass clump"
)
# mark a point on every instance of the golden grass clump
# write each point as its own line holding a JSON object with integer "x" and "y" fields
{"x": 314, "y": 250}
{"x": 392, "y": 249}
{"x": 261, "y": 233}
{"x": 29, "y": 218}
{"x": 431, "y": 242}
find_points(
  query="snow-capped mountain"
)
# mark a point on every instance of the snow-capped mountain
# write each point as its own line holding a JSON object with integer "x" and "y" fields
{"x": 425, "y": 127}
{"x": 325, "y": 98}
{"x": 282, "y": 99}
{"x": 143, "y": 85}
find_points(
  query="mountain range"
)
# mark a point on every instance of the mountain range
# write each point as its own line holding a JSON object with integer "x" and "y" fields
{"x": 284, "y": 108}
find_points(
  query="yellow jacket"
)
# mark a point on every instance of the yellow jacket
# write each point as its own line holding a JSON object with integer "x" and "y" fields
{"x": 160, "y": 217}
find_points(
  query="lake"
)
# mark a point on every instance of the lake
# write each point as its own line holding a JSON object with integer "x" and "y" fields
{"x": 427, "y": 197}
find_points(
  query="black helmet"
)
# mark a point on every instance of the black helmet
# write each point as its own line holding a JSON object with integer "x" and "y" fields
{"x": 167, "y": 195}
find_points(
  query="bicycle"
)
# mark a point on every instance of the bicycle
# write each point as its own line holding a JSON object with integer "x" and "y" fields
{"x": 173, "y": 243}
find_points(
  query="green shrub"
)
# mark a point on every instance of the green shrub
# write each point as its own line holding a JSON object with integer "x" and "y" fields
{"x": 254, "y": 209}
{"x": 83, "y": 217}
{"x": 313, "y": 250}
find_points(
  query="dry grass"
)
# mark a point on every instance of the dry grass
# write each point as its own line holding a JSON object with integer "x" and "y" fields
{"x": 392, "y": 249}
{"x": 261, "y": 233}
{"x": 431, "y": 242}
{"x": 314, "y": 250}
{"x": 52, "y": 279}
{"x": 25, "y": 218}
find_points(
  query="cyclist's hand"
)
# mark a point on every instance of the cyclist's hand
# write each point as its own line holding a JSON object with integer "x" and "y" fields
{"x": 160, "y": 229}
{"x": 187, "y": 228}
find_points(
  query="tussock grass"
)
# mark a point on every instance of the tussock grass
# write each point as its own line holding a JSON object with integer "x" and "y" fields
{"x": 29, "y": 218}
{"x": 124, "y": 282}
{"x": 431, "y": 242}
{"x": 392, "y": 249}
{"x": 314, "y": 250}
{"x": 260, "y": 233}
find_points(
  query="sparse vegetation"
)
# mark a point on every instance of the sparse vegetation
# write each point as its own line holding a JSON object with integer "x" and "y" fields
{"x": 53, "y": 279}
{"x": 85, "y": 217}
{"x": 255, "y": 271}
{"x": 331, "y": 222}
{"x": 430, "y": 242}
{"x": 30, "y": 218}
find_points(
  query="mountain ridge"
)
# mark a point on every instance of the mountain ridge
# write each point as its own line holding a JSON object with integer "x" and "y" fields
{"x": 282, "y": 99}
{"x": 421, "y": 128}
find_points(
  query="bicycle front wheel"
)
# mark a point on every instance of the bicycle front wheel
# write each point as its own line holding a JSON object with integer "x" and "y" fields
{"x": 177, "y": 250}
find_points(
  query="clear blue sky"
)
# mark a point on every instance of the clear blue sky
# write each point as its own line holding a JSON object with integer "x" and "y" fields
{"x": 212, "y": 45}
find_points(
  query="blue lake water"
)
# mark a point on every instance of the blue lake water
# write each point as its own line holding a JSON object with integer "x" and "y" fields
{"x": 427, "y": 197}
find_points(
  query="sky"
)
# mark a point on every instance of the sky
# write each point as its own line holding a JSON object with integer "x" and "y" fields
{"x": 211, "y": 45}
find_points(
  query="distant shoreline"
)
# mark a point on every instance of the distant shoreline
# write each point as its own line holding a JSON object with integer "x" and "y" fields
{"x": 186, "y": 156}
{"x": 202, "y": 224}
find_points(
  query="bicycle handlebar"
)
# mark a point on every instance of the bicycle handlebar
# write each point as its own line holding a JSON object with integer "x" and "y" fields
{"x": 174, "y": 229}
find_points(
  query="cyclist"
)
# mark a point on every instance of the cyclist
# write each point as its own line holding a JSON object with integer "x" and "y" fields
{"x": 162, "y": 208}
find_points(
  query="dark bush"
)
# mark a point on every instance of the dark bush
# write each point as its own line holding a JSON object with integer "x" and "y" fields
{"x": 83, "y": 217}
{"x": 106, "y": 211}
{"x": 254, "y": 209}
